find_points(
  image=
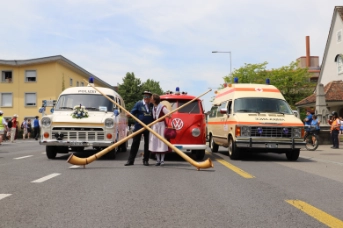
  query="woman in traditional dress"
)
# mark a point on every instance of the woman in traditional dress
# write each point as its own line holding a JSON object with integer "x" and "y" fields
{"x": 157, "y": 146}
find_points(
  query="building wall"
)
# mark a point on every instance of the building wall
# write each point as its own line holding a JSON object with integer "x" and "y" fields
{"x": 329, "y": 67}
{"x": 48, "y": 86}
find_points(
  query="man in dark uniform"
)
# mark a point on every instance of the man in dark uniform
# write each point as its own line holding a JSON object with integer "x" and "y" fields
{"x": 143, "y": 111}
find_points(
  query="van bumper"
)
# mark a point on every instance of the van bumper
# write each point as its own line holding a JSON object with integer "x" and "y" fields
{"x": 272, "y": 144}
{"x": 75, "y": 143}
{"x": 190, "y": 147}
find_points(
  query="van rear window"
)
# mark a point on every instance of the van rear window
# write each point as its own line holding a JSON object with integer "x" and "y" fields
{"x": 190, "y": 108}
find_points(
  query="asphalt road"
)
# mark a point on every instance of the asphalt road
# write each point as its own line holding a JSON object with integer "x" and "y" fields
{"x": 263, "y": 190}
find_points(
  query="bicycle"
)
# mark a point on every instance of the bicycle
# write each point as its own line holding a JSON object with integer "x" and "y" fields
{"x": 310, "y": 134}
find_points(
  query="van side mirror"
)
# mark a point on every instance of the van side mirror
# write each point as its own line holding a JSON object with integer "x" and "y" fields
{"x": 295, "y": 113}
{"x": 224, "y": 111}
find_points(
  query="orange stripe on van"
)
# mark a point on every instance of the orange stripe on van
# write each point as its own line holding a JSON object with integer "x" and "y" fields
{"x": 257, "y": 123}
{"x": 248, "y": 90}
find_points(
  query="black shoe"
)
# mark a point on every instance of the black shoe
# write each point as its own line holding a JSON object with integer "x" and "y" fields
{"x": 146, "y": 163}
{"x": 333, "y": 147}
{"x": 128, "y": 163}
{"x": 158, "y": 164}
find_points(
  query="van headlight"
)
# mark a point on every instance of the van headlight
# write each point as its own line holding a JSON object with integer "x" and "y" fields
{"x": 109, "y": 123}
{"x": 46, "y": 122}
{"x": 195, "y": 132}
{"x": 296, "y": 132}
{"x": 245, "y": 131}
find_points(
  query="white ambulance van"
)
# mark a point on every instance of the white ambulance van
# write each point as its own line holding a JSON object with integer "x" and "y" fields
{"x": 82, "y": 117}
{"x": 254, "y": 118}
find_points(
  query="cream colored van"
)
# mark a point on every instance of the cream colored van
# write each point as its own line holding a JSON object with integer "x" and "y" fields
{"x": 254, "y": 118}
{"x": 81, "y": 118}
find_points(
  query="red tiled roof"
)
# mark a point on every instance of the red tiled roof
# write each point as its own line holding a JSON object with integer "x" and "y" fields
{"x": 333, "y": 92}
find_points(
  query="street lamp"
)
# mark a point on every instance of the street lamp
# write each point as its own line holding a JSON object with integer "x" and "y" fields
{"x": 230, "y": 57}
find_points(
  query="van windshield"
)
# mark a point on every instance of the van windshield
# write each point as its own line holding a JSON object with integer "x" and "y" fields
{"x": 190, "y": 108}
{"x": 91, "y": 102}
{"x": 259, "y": 104}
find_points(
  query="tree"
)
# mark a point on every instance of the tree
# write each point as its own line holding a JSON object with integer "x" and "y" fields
{"x": 292, "y": 81}
{"x": 130, "y": 90}
{"x": 152, "y": 86}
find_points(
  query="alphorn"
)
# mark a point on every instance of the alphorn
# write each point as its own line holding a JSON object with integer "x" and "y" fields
{"x": 84, "y": 161}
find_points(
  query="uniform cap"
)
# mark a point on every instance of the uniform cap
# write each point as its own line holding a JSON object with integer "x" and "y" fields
{"x": 1, "y": 112}
{"x": 147, "y": 92}
{"x": 15, "y": 115}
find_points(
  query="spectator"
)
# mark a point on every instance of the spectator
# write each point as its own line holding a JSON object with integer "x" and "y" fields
{"x": 36, "y": 127}
{"x": 308, "y": 118}
{"x": 29, "y": 128}
{"x": 14, "y": 127}
{"x": 24, "y": 128}
{"x": 3, "y": 126}
{"x": 334, "y": 130}
{"x": 8, "y": 131}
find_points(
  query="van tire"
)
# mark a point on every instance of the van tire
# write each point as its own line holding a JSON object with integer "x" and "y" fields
{"x": 199, "y": 154}
{"x": 214, "y": 147}
{"x": 293, "y": 155}
{"x": 234, "y": 152}
{"x": 51, "y": 152}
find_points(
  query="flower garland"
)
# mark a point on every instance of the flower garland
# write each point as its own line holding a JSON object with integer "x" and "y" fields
{"x": 79, "y": 112}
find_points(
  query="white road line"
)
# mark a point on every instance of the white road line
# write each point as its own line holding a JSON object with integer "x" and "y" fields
{"x": 24, "y": 157}
{"x": 4, "y": 196}
{"x": 40, "y": 180}
{"x": 74, "y": 167}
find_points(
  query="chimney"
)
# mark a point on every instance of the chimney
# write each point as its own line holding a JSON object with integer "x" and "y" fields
{"x": 308, "y": 57}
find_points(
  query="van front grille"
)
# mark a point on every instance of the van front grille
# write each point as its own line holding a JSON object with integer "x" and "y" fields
{"x": 277, "y": 132}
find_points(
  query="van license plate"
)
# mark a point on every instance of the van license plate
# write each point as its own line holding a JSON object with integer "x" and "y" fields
{"x": 77, "y": 143}
{"x": 271, "y": 145}
{"x": 179, "y": 147}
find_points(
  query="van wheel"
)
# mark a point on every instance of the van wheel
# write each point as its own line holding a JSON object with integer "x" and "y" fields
{"x": 214, "y": 147}
{"x": 199, "y": 154}
{"x": 233, "y": 151}
{"x": 51, "y": 152}
{"x": 293, "y": 155}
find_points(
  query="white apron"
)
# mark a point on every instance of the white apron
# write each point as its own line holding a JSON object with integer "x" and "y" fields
{"x": 155, "y": 144}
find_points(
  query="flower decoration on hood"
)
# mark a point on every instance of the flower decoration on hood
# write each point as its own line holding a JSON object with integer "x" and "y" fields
{"x": 79, "y": 112}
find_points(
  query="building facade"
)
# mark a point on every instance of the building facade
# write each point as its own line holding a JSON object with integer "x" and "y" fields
{"x": 24, "y": 84}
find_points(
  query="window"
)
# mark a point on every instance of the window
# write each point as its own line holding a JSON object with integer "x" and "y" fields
{"x": 339, "y": 64}
{"x": 30, "y": 99}
{"x": 339, "y": 36}
{"x": 82, "y": 84}
{"x": 77, "y": 83}
{"x": 30, "y": 76}
{"x": 6, "y": 99}
{"x": 6, "y": 76}
{"x": 222, "y": 106}
{"x": 213, "y": 112}
{"x": 71, "y": 82}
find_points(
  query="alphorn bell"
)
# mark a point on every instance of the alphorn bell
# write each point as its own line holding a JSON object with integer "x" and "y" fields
{"x": 84, "y": 161}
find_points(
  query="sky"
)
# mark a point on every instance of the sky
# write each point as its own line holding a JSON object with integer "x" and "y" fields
{"x": 167, "y": 41}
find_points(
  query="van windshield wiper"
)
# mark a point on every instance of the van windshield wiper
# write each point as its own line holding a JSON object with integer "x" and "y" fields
{"x": 69, "y": 108}
{"x": 92, "y": 108}
{"x": 273, "y": 112}
{"x": 247, "y": 110}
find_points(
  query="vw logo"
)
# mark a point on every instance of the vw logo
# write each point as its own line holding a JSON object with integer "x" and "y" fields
{"x": 177, "y": 123}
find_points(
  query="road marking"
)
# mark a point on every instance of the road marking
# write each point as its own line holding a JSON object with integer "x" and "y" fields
{"x": 40, "y": 180}
{"x": 24, "y": 157}
{"x": 234, "y": 168}
{"x": 320, "y": 215}
{"x": 4, "y": 196}
{"x": 74, "y": 167}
